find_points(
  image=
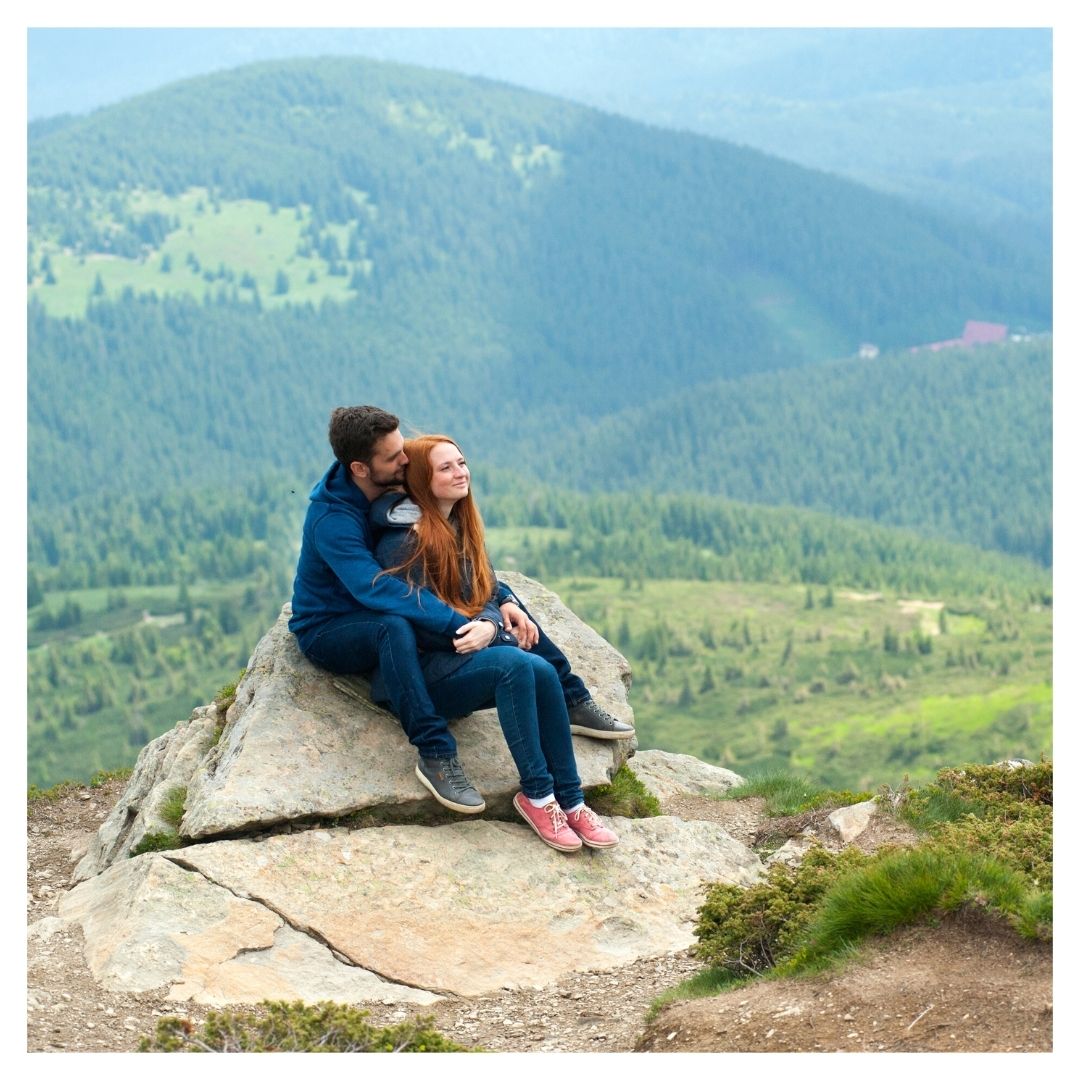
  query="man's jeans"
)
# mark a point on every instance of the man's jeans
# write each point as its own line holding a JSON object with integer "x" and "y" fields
{"x": 574, "y": 690}
{"x": 526, "y": 690}
{"x": 354, "y": 644}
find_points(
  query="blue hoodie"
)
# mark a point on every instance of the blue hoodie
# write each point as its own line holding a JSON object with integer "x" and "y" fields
{"x": 337, "y": 568}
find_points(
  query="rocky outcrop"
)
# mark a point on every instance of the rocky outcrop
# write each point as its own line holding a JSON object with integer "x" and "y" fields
{"x": 300, "y": 744}
{"x": 164, "y": 766}
{"x": 301, "y": 874}
{"x": 384, "y": 912}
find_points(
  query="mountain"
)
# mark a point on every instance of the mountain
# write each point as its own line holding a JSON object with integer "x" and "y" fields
{"x": 957, "y": 443}
{"x": 240, "y": 252}
{"x": 955, "y": 118}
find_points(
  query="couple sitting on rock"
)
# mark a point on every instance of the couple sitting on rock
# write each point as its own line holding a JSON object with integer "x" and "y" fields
{"x": 394, "y": 581}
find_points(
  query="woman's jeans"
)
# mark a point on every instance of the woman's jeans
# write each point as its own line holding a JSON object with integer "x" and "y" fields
{"x": 526, "y": 691}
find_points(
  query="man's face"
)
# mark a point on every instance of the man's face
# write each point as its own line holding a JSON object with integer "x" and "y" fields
{"x": 388, "y": 461}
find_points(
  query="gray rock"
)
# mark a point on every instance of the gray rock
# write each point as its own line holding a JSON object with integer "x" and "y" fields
{"x": 465, "y": 908}
{"x": 148, "y": 924}
{"x": 851, "y": 821}
{"x": 791, "y": 853}
{"x": 163, "y": 765}
{"x": 667, "y": 774}
{"x": 302, "y": 744}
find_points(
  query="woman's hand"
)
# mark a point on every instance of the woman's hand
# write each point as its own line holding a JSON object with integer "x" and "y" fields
{"x": 475, "y": 635}
{"x": 520, "y": 625}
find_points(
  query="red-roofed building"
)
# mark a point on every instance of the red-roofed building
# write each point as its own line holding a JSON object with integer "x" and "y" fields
{"x": 983, "y": 333}
{"x": 975, "y": 333}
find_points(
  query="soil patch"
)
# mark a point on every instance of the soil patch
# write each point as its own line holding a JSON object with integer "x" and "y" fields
{"x": 968, "y": 984}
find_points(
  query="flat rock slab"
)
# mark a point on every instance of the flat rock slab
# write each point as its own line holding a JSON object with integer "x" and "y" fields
{"x": 149, "y": 924}
{"x": 471, "y": 907}
{"x": 301, "y": 744}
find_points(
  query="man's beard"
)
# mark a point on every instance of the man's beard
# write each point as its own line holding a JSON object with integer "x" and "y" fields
{"x": 395, "y": 481}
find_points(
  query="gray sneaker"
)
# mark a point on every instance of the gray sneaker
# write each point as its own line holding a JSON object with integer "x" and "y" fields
{"x": 446, "y": 780}
{"x": 589, "y": 719}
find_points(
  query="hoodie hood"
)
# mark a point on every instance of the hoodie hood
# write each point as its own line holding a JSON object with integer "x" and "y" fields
{"x": 337, "y": 488}
{"x": 394, "y": 510}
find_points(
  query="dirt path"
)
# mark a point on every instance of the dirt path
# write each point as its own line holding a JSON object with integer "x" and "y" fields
{"x": 977, "y": 988}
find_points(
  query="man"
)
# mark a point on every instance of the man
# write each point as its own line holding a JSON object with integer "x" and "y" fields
{"x": 350, "y": 618}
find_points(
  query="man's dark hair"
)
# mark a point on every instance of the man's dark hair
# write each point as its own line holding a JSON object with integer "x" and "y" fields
{"x": 355, "y": 429}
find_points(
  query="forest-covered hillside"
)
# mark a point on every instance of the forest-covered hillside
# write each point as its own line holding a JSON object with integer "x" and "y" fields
{"x": 552, "y": 236}
{"x": 239, "y": 253}
{"x": 620, "y": 324}
{"x": 956, "y": 443}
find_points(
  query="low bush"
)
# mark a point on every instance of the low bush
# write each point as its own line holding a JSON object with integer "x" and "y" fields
{"x": 998, "y": 810}
{"x": 163, "y": 840}
{"x": 899, "y": 888}
{"x": 293, "y": 1027}
{"x": 746, "y": 930}
{"x": 989, "y": 844}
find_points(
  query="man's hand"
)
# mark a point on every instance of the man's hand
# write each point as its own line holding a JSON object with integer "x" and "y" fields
{"x": 519, "y": 624}
{"x": 475, "y": 635}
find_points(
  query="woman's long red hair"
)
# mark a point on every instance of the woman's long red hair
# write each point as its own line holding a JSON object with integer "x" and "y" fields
{"x": 440, "y": 550}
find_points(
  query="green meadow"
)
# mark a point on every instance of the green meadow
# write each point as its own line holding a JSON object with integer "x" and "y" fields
{"x": 239, "y": 246}
{"x": 856, "y": 689}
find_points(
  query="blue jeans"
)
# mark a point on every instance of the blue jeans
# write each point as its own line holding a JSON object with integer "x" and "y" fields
{"x": 354, "y": 644}
{"x": 574, "y": 690}
{"x": 526, "y": 691}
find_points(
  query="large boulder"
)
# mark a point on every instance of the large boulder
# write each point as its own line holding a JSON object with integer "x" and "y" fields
{"x": 392, "y": 913}
{"x": 300, "y": 744}
{"x": 148, "y": 924}
{"x": 305, "y": 867}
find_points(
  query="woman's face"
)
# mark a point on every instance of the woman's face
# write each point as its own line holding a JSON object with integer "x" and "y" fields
{"x": 449, "y": 473}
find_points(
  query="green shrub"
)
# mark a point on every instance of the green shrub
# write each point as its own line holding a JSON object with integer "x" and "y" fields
{"x": 625, "y": 796}
{"x": 103, "y": 776}
{"x": 994, "y": 810}
{"x": 172, "y": 806}
{"x": 1035, "y": 919}
{"x": 66, "y": 787}
{"x": 224, "y": 699}
{"x": 51, "y": 794}
{"x": 227, "y": 694}
{"x": 293, "y": 1027}
{"x": 748, "y": 930}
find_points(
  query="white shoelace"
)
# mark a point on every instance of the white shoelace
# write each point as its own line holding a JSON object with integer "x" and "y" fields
{"x": 557, "y": 815}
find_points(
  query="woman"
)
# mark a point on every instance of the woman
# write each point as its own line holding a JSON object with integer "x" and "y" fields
{"x": 435, "y": 538}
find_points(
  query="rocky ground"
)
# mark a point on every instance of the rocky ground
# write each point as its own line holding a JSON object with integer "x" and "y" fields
{"x": 964, "y": 985}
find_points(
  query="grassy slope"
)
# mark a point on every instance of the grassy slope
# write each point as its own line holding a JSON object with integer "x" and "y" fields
{"x": 240, "y": 236}
{"x": 839, "y": 707}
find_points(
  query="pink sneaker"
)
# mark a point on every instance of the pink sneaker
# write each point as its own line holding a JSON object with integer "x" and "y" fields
{"x": 591, "y": 829}
{"x": 549, "y": 823}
